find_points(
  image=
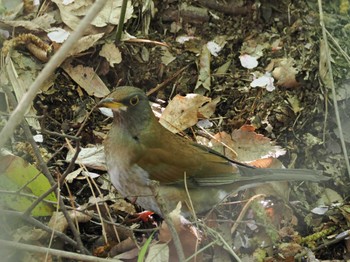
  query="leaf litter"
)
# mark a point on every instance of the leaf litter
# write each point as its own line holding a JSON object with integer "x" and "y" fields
{"x": 258, "y": 124}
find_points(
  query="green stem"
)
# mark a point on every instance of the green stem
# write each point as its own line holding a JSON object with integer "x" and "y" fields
{"x": 121, "y": 21}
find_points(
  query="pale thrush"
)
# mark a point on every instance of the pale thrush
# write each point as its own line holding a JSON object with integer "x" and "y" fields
{"x": 138, "y": 149}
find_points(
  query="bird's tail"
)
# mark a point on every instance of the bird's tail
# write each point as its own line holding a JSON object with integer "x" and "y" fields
{"x": 250, "y": 177}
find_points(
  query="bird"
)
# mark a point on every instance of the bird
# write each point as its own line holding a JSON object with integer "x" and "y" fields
{"x": 139, "y": 150}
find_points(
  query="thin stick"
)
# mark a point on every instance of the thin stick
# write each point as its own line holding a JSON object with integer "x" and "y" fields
{"x": 54, "y": 252}
{"x": 121, "y": 21}
{"x": 244, "y": 211}
{"x": 167, "y": 81}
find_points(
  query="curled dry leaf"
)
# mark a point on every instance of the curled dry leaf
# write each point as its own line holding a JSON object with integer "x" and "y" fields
{"x": 87, "y": 79}
{"x": 251, "y": 146}
{"x": 85, "y": 43}
{"x": 111, "y": 53}
{"x": 72, "y": 13}
{"x": 126, "y": 249}
{"x": 58, "y": 35}
{"x": 59, "y": 223}
{"x": 208, "y": 109}
{"x": 92, "y": 157}
{"x": 183, "y": 111}
{"x": 285, "y": 73}
{"x": 223, "y": 143}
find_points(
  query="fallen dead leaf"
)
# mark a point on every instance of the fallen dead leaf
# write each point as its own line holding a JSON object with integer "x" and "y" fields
{"x": 203, "y": 82}
{"x": 251, "y": 146}
{"x": 87, "y": 79}
{"x": 223, "y": 143}
{"x": 111, "y": 53}
{"x": 285, "y": 73}
{"x": 183, "y": 111}
{"x": 92, "y": 157}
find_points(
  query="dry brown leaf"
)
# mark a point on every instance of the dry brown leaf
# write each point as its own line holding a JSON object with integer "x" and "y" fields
{"x": 182, "y": 112}
{"x": 268, "y": 162}
{"x": 85, "y": 43}
{"x": 204, "y": 81}
{"x": 285, "y": 73}
{"x": 92, "y": 157}
{"x": 37, "y": 24}
{"x": 209, "y": 108}
{"x": 126, "y": 249}
{"x": 223, "y": 143}
{"x": 59, "y": 223}
{"x": 72, "y": 13}
{"x": 251, "y": 146}
{"x": 87, "y": 79}
{"x": 111, "y": 53}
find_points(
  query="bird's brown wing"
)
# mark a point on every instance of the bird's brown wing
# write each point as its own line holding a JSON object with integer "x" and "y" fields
{"x": 169, "y": 162}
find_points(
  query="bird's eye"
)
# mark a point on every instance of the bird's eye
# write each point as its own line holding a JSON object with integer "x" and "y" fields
{"x": 134, "y": 100}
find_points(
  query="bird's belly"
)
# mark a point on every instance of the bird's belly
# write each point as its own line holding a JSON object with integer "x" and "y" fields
{"x": 134, "y": 184}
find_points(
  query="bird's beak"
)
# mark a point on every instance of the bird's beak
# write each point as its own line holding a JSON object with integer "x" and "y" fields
{"x": 111, "y": 103}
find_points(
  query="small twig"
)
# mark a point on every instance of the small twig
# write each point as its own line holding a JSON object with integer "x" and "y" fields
{"x": 107, "y": 210}
{"x": 87, "y": 117}
{"x": 146, "y": 41}
{"x": 337, "y": 239}
{"x": 341, "y": 50}
{"x": 154, "y": 185}
{"x": 244, "y": 211}
{"x": 167, "y": 81}
{"x": 54, "y": 252}
{"x": 98, "y": 209}
{"x": 18, "y": 193}
{"x": 225, "y": 244}
{"x": 200, "y": 250}
{"x": 54, "y": 186}
{"x": 53, "y": 133}
{"x": 189, "y": 198}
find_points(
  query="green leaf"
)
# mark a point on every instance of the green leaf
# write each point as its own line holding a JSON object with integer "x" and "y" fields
{"x": 144, "y": 248}
{"x": 16, "y": 175}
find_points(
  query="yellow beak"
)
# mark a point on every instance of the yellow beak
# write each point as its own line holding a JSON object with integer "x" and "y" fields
{"x": 111, "y": 103}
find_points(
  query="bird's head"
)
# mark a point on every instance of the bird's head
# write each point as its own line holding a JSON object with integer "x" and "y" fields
{"x": 129, "y": 105}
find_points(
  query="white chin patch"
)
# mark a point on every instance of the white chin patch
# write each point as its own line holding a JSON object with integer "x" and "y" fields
{"x": 106, "y": 111}
{"x": 109, "y": 111}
